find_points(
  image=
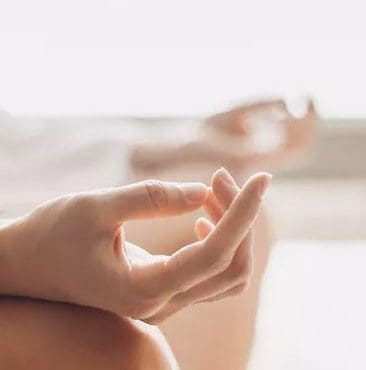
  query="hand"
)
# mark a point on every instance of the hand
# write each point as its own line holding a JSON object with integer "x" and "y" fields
{"x": 225, "y": 140}
{"x": 208, "y": 148}
{"x": 72, "y": 249}
{"x": 235, "y": 122}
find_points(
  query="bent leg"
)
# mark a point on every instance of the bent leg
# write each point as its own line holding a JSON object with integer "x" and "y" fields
{"x": 44, "y": 335}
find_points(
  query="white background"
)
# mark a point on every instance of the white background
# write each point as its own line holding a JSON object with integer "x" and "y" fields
{"x": 179, "y": 57}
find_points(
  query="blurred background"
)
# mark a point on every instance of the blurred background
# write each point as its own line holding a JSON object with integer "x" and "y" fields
{"x": 177, "y": 58}
{"x": 105, "y": 63}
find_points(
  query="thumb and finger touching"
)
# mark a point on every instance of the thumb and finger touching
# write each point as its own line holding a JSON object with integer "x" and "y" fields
{"x": 232, "y": 279}
{"x": 153, "y": 198}
{"x": 187, "y": 273}
{"x": 199, "y": 261}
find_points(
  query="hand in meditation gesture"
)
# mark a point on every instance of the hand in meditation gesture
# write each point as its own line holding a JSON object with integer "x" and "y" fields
{"x": 73, "y": 249}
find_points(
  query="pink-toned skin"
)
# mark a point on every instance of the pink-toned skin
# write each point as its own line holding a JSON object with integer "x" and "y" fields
{"x": 213, "y": 336}
{"x": 73, "y": 249}
{"x": 220, "y": 335}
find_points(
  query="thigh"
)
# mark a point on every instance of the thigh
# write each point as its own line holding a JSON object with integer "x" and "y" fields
{"x": 44, "y": 335}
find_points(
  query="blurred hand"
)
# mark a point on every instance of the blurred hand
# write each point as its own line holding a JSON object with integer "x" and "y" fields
{"x": 220, "y": 143}
{"x": 235, "y": 122}
{"x": 73, "y": 249}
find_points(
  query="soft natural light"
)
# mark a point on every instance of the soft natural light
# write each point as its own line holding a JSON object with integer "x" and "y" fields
{"x": 179, "y": 57}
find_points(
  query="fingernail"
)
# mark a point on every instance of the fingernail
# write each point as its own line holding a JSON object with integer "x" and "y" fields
{"x": 263, "y": 186}
{"x": 225, "y": 176}
{"x": 194, "y": 192}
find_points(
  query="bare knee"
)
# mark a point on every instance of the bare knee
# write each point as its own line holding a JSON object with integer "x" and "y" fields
{"x": 44, "y": 335}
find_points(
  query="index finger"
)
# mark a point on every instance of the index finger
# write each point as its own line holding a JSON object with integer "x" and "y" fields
{"x": 237, "y": 220}
{"x": 199, "y": 261}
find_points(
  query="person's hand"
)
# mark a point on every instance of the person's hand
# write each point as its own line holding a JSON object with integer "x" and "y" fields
{"x": 72, "y": 249}
{"x": 236, "y": 121}
{"x": 213, "y": 144}
{"x": 226, "y": 139}
{"x": 301, "y": 132}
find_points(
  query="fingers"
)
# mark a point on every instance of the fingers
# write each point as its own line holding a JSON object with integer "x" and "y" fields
{"x": 237, "y": 273}
{"x": 203, "y": 227}
{"x": 230, "y": 282}
{"x": 236, "y": 222}
{"x": 224, "y": 190}
{"x": 213, "y": 207}
{"x": 266, "y": 104}
{"x": 153, "y": 198}
{"x": 202, "y": 260}
{"x": 311, "y": 110}
{"x": 190, "y": 277}
{"x": 311, "y": 107}
{"x": 237, "y": 289}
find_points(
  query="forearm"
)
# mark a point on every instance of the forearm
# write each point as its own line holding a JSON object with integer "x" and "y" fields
{"x": 21, "y": 270}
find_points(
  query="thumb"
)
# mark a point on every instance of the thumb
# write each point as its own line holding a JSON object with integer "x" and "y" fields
{"x": 153, "y": 198}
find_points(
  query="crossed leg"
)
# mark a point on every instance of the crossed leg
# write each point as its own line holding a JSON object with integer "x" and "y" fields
{"x": 44, "y": 335}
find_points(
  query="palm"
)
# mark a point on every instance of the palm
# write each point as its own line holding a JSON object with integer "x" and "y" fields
{"x": 139, "y": 256}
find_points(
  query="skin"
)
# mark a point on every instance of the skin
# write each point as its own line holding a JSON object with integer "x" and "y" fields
{"x": 73, "y": 250}
{"x": 48, "y": 335}
{"x": 190, "y": 332}
{"x": 234, "y": 122}
{"x": 147, "y": 287}
{"x": 227, "y": 326}
{"x": 220, "y": 335}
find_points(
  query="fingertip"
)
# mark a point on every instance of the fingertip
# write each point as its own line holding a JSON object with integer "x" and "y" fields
{"x": 259, "y": 183}
{"x": 222, "y": 182}
{"x": 212, "y": 206}
{"x": 223, "y": 175}
{"x": 311, "y": 110}
{"x": 194, "y": 193}
{"x": 216, "y": 174}
{"x": 204, "y": 221}
{"x": 203, "y": 227}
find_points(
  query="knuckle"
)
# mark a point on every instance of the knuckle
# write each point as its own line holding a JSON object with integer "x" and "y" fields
{"x": 157, "y": 193}
{"x": 218, "y": 264}
{"x": 179, "y": 302}
{"x": 84, "y": 207}
{"x": 85, "y": 202}
{"x": 239, "y": 269}
{"x": 240, "y": 288}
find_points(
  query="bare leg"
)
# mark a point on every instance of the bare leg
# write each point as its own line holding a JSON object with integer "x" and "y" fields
{"x": 44, "y": 335}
